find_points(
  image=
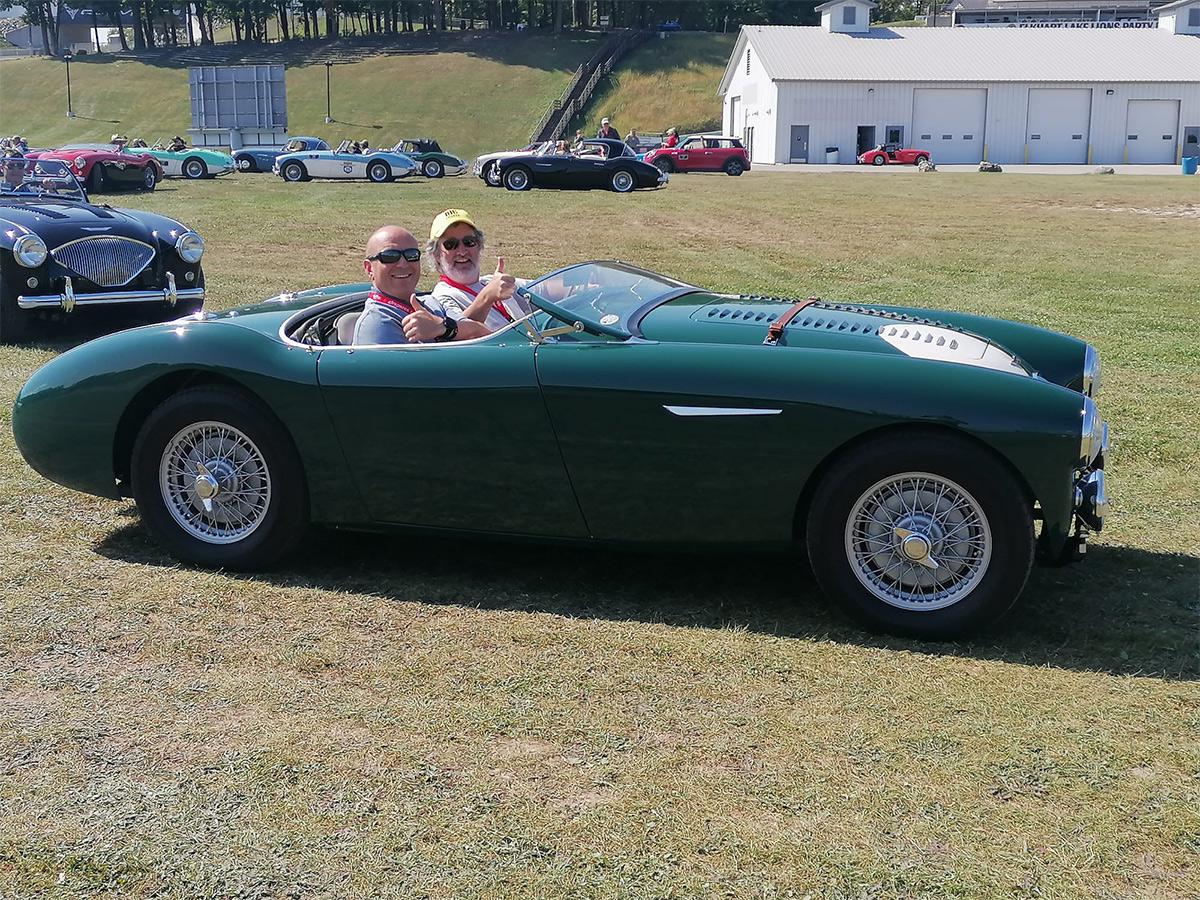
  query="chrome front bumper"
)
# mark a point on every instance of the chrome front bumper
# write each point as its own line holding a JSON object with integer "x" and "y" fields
{"x": 68, "y": 299}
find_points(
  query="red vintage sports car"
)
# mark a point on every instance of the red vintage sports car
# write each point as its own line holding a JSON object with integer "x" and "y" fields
{"x": 893, "y": 153}
{"x": 105, "y": 167}
{"x": 702, "y": 154}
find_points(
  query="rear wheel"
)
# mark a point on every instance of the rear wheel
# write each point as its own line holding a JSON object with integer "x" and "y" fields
{"x": 194, "y": 167}
{"x": 517, "y": 179}
{"x": 734, "y": 167}
{"x": 14, "y": 321}
{"x": 922, "y": 535}
{"x": 622, "y": 181}
{"x": 432, "y": 169}
{"x": 379, "y": 172}
{"x": 218, "y": 481}
{"x": 293, "y": 171}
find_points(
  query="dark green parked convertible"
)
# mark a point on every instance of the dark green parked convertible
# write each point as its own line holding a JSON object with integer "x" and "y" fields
{"x": 923, "y": 459}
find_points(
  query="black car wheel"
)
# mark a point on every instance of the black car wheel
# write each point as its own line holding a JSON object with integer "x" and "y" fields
{"x": 517, "y": 179}
{"x": 920, "y": 159}
{"x": 379, "y": 172}
{"x": 94, "y": 183}
{"x": 149, "y": 178}
{"x": 14, "y": 321}
{"x": 293, "y": 171}
{"x": 217, "y": 480}
{"x": 194, "y": 167}
{"x": 664, "y": 164}
{"x": 245, "y": 164}
{"x": 432, "y": 169}
{"x": 622, "y": 181}
{"x": 921, "y": 534}
{"x": 491, "y": 175}
{"x": 878, "y": 160}
{"x": 734, "y": 167}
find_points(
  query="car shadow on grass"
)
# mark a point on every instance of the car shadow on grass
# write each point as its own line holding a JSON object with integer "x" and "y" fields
{"x": 1125, "y": 611}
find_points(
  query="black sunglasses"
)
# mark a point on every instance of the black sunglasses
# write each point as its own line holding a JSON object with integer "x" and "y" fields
{"x": 452, "y": 243}
{"x": 393, "y": 255}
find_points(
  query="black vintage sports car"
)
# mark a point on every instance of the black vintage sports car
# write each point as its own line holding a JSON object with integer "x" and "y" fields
{"x": 596, "y": 163}
{"x": 60, "y": 253}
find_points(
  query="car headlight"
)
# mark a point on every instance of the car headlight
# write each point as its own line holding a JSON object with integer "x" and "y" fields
{"x": 1093, "y": 433}
{"x": 1091, "y": 371}
{"x": 30, "y": 250}
{"x": 190, "y": 247}
{"x": 80, "y": 162}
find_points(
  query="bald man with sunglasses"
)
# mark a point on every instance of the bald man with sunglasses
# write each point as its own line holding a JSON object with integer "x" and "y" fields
{"x": 393, "y": 313}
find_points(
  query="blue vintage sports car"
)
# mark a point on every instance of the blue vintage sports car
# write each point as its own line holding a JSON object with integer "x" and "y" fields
{"x": 262, "y": 159}
{"x": 343, "y": 163}
{"x": 921, "y": 459}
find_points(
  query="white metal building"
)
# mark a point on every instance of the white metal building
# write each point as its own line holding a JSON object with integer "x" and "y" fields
{"x": 1009, "y": 95}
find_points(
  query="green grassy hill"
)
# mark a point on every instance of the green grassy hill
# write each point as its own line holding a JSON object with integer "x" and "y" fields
{"x": 487, "y": 95}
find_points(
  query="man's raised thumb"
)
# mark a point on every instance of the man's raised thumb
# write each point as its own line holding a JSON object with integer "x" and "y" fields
{"x": 499, "y": 265}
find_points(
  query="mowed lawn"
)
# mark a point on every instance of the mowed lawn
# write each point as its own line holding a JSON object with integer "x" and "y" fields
{"x": 394, "y": 717}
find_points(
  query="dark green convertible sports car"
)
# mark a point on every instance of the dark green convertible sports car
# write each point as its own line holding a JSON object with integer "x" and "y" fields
{"x": 922, "y": 459}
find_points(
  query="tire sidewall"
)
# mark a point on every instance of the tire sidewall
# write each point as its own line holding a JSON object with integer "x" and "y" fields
{"x": 1001, "y": 498}
{"x": 734, "y": 167}
{"x": 194, "y": 168}
{"x": 293, "y": 168}
{"x": 378, "y": 172}
{"x": 517, "y": 179}
{"x": 286, "y": 517}
{"x": 619, "y": 177}
{"x": 433, "y": 169}
{"x": 149, "y": 179}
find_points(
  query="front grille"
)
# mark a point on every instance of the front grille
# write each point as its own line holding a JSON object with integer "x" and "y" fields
{"x": 105, "y": 260}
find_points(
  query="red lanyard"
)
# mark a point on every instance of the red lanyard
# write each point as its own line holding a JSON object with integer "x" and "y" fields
{"x": 498, "y": 305}
{"x": 380, "y": 297}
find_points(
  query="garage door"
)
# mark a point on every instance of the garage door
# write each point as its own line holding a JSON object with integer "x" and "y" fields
{"x": 949, "y": 123}
{"x": 1150, "y": 131}
{"x": 1058, "y": 121}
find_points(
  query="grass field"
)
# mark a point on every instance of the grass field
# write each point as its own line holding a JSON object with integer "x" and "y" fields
{"x": 387, "y": 717}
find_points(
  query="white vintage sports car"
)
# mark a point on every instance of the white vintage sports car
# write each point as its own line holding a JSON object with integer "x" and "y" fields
{"x": 373, "y": 165}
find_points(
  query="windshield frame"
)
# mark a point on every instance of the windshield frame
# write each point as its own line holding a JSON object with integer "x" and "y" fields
{"x": 38, "y": 174}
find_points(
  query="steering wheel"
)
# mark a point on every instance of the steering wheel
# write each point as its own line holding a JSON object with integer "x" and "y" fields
{"x": 571, "y": 321}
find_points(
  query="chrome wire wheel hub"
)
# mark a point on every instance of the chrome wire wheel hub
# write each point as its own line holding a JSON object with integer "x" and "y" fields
{"x": 918, "y": 541}
{"x": 215, "y": 483}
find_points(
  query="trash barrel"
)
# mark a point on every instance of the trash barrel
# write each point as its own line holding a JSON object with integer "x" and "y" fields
{"x": 1189, "y": 165}
{"x": 831, "y": 155}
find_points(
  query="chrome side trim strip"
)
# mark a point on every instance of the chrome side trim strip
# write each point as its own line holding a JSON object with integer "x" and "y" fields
{"x": 720, "y": 411}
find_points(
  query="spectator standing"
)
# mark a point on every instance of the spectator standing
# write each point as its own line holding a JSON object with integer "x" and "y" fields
{"x": 607, "y": 131}
{"x": 631, "y": 140}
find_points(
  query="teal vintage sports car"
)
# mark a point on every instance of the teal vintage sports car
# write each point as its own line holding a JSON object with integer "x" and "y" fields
{"x": 922, "y": 459}
{"x": 192, "y": 163}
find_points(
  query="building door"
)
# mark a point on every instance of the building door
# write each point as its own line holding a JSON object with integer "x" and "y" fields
{"x": 1150, "y": 131}
{"x": 798, "y": 153}
{"x": 1057, "y": 125}
{"x": 948, "y": 122}
{"x": 866, "y": 139}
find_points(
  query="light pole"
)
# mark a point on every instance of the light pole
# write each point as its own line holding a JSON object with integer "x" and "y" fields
{"x": 328, "y": 114}
{"x": 67, "y": 60}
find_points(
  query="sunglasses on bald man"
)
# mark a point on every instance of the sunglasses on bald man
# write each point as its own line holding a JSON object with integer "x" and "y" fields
{"x": 393, "y": 255}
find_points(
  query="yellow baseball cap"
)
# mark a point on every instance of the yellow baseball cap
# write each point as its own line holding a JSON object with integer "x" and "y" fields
{"x": 445, "y": 219}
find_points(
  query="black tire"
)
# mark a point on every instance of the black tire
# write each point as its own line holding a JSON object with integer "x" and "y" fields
{"x": 194, "y": 167}
{"x": 518, "y": 179}
{"x": 734, "y": 167}
{"x": 433, "y": 168}
{"x": 294, "y": 171}
{"x": 94, "y": 183}
{"x": 622, "y": 181}
{"x": 920, "y": 159}
{"x": 245, "y": 163}
{"x": 14, "y": 321}
{"x": 878, "y": 159}
{"x": 491, "y": 175}
{"x": 379, "y": 171}
{"x": 149, "y": 179}
{"x": 259, "y": 497}
{"x": 944, "y": 539}
{"x": 664, "y": 164}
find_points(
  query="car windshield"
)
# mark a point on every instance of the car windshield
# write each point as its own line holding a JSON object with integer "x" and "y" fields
{"x": 604, "y": 294}
{"x": 38, "y": 177}
{"x": 295, "y": 144}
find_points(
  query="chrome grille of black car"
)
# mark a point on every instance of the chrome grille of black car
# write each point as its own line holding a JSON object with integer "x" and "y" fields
{"x": 105, "y": 260}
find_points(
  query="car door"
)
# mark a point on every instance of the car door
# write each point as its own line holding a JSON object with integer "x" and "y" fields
{"x": 691, "y": 155}
{"x": 450, "y": 436}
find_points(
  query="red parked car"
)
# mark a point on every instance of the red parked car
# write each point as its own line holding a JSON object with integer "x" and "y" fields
{"x": 702, "y": 154}
{"x": 893, "y": 153}
{"x": 105, "y": 167}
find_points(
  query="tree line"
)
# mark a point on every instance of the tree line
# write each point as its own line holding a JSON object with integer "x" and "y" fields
{"x": 145, "y": 24}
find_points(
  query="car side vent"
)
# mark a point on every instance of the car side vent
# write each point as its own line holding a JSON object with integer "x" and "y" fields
{"x": 744, "y": 315}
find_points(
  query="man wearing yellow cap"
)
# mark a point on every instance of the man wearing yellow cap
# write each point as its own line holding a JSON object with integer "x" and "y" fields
{"x": 480, "y": 305}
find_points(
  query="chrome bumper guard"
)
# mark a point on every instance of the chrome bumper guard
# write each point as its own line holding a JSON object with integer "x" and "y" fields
{"x": 68, "y": 299}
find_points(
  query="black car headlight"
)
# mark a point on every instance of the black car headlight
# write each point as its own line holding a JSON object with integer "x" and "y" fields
{"x": 1091, "y": 371}
{"x": 1093, "y": 438}
{"x": 190, "y": 247}
{"x": 30, "y": 250}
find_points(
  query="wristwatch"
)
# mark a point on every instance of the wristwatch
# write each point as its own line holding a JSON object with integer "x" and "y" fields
{"x": 451, "y": 331}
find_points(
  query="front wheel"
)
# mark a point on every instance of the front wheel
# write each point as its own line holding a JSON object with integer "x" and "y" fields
{"x": 432, "y": 169}
{"x": 245, "y": 164}
{"x": 95, "y": 179}
{"x": 920, "y": 159}
{"x": 149, "y": 178}
{"x": 664, "y": 164}
{"x": 878, "y": 160}
{"x": 379, "y": 172}
{"x": 194, "y": 167}
{"x": 622, "y": 181}
{"x": 293, "y": 171}
{"x": 517, "y": 179}
{"x": 218, "y": 481}
{"x": 921, "y": 535}
{"x": 734, "y": 167}
{"x": 491, "y": 175}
